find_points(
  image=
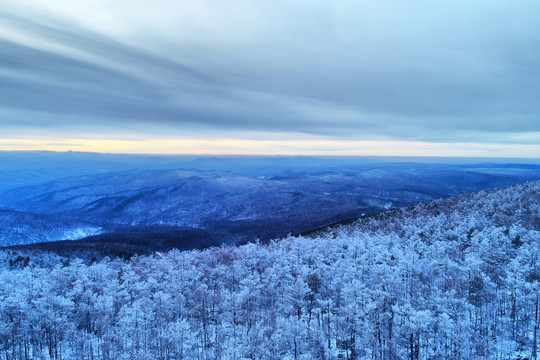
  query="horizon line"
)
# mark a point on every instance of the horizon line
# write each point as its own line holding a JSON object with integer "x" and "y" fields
{"x": 276, "y": 155}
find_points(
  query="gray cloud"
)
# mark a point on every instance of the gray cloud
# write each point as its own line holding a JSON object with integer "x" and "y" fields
{"x": 462, "y": 72}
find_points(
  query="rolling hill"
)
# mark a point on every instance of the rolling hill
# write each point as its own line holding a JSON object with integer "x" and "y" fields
{"x": 234, "y": 206}
{"x": 27, "y": 228}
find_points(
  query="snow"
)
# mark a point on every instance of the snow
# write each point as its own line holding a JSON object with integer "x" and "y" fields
{"x": 453, "y": 279}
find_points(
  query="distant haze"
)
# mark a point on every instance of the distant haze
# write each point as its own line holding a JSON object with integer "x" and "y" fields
{"x": 313, "y": 77}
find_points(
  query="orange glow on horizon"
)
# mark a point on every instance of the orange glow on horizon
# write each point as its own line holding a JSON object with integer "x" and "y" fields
{"x": 314, "y": 147}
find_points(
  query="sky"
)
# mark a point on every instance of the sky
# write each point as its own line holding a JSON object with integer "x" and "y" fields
{"x": 308, "y": 77}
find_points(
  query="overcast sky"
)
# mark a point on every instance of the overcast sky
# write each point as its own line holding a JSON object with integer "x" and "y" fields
{"x": 271, "y": 76}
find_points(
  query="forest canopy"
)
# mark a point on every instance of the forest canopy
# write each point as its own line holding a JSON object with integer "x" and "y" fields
{"x": 451, "y": 279}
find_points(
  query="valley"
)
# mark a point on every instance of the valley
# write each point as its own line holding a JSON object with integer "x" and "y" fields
{"x": 229, "y": 200}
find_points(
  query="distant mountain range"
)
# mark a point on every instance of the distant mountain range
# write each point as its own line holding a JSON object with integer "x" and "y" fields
{"x": 242, "y": 199}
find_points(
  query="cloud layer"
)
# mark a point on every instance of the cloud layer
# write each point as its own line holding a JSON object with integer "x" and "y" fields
{"x": 354, "y": 70}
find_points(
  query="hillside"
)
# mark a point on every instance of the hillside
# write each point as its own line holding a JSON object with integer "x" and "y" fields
{"x": 241, "y": 206}
{"x": 452, "y": 279}
{"x": 27, "y": 228}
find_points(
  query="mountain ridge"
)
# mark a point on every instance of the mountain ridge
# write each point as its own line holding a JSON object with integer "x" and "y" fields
{"x": 237, "y": 207}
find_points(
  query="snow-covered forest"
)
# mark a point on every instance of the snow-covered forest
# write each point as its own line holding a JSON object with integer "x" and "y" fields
{"x": 453, "y": 279}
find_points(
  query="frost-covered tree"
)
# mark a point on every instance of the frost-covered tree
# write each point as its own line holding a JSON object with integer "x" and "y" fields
{"x": 454, "y": 279}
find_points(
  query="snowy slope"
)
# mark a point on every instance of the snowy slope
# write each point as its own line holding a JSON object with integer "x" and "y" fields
{"x": 19, "y": 228}
{"x": 243, "y": 207}
{"x": 453, "y": 279}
